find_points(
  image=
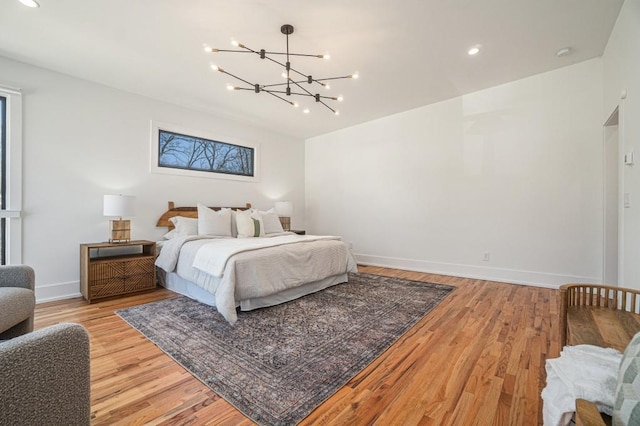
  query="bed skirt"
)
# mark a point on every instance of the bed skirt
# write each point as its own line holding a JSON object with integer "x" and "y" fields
{"x": 173, "y": 282}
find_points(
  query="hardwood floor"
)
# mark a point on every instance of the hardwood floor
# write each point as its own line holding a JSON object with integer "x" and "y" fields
{"x": 477, "y": 358}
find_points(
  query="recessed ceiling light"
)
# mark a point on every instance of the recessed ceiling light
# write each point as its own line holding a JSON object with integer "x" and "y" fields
{"x": 474, "y": 50}
{"x": 30, "y": 3}
{"x": 564, "y": 52}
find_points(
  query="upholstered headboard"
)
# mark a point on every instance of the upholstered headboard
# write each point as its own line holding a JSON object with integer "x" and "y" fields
{"x": 187, "y": 212}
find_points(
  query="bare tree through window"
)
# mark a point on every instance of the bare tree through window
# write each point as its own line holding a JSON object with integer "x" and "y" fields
{"x": 186, "y": 152}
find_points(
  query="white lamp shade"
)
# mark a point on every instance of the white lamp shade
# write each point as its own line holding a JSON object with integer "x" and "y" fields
{"x": 118, "y": 205}
{"x": 284, "y": 208}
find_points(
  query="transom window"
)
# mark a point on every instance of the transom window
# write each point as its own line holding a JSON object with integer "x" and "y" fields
{"x": 191, "y": 153}
{"x": 180, "y": 151}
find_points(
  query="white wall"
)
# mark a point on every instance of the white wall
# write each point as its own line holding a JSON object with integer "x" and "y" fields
{"x": 621, "y": 65}
{"x": 83, "y": 140}
{"x": 514, "y": 170}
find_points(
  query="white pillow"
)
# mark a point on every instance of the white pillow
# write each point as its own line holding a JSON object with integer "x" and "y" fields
{"x": 171, "y": 234}
{"x": 211, "y": 222}
{"x": 249, "y": 224}
{"x": 184, "y": 226}
{"x": 271, "y": 221}
{"x": 234, "y": 227}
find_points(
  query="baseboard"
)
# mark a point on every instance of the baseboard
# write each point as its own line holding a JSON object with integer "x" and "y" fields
{"x": 512, "y": 276}
{"x": 59, "y": 291}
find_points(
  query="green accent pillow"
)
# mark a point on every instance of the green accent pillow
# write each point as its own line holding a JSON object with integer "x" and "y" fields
{"x": 626, "y": 411}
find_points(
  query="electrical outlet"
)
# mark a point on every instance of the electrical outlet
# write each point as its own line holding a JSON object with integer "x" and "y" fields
{"x": 487, "y": 256}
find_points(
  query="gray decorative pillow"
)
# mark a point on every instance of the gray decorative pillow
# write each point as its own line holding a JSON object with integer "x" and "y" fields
{"x": 626, "y": 411}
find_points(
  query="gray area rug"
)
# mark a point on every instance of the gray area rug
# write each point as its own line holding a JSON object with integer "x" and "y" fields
{"x": 277, "y": 364}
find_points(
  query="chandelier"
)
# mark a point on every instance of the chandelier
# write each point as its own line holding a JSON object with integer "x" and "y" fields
{"x": 297, "y": 83}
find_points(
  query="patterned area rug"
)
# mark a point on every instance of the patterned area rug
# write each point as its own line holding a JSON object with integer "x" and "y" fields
{"x": 277, "y": 364}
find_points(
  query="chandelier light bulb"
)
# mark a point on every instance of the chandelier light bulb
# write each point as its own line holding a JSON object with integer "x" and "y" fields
{"x": 336, "y": 112}
{"x": 295, "y": 105}
{"x": 284, "y": 74}
{"x": 355, "y": 76}
{"x": 326, "y": 56}
{"x": 473, "y": 51}
{"x": 235, "y": 43}
{"x": 230, "y": 87}
{"x": 340, "y": 98}
{"x": 215, "y": 67}
{"x": 306, "y": 110}
{"x": 326, "y": 86}
{"x": 208, "y": 49}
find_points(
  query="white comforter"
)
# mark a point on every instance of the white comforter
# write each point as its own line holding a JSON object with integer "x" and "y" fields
{"x": 239, "y": 269}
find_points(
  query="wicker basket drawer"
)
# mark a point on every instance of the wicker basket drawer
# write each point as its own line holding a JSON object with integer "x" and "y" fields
{"x": 143, "y": 265}
{"x": 122, "y": 268}
{"x": 139, "y": 282}
{"x": 108, "y": 287}
{"x": 100, "y": 271}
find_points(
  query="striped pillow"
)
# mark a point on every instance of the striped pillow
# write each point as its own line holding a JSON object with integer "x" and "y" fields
{"x": 249, "y": 224}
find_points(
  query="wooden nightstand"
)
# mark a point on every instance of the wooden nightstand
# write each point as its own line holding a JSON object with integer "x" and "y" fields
{"x": 111, "y": 269}
{"x": 299, "y": 231}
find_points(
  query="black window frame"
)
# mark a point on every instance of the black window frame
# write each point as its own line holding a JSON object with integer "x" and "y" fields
{"x": 3, "y": 178}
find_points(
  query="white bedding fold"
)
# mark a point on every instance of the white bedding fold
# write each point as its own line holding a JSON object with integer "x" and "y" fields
{"x": 212, "y": 258}
{"x": 168, "y": 257}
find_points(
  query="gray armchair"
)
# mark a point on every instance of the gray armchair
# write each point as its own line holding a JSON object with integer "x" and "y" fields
{"x": 45, "y": 374}
{"x": 17, "y": 300}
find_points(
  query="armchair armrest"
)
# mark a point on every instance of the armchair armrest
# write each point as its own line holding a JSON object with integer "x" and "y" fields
{"x": 17, "y": 276}
{"x": 46, "y": 377}
{"x": 587, "y": 414}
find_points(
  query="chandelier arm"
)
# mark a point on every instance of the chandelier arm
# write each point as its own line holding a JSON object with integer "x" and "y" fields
{"x": 280, "y": 63}
{"x": 332, "y": 110}
{"x": 233, "y": 51}
{"x": 284, "y": 93}
{"x": 279, "y": 97}
{"x": 332, "y": 78}
{"x": 274, "y": 85}
{"x": 293, "y": 54}
{"x": 236, "y": 77}
{"x": 309, "y": 95}
{"x": 297, "y": 84}
{"x": 331, "y": 98}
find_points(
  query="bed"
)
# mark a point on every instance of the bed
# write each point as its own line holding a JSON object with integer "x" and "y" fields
{"x": 240, "y": 257}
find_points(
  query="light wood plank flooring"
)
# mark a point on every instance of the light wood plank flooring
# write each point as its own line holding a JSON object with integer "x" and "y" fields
{"x": 477, "y": 358}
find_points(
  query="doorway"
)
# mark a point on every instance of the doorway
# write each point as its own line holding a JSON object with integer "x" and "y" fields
{"x": 612, "y": 210}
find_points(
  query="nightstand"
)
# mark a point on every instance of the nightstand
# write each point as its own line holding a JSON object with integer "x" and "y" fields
{"x": 299, "y": 231}
{"x": 112, "y": 269}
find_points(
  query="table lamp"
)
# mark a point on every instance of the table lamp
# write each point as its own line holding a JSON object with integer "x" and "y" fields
{"x": 284, "y": 209}
{"x": 119, "y": 205}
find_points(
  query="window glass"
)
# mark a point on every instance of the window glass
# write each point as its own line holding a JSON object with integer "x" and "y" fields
{"x": 179, "y": 151}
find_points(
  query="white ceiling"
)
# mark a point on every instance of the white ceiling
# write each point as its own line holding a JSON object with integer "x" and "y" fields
{"x": 408, "y": 53}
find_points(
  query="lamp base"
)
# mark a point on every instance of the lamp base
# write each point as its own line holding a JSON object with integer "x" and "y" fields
{"x": 286, "y": 223}
{"x": 119, "y": 231}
